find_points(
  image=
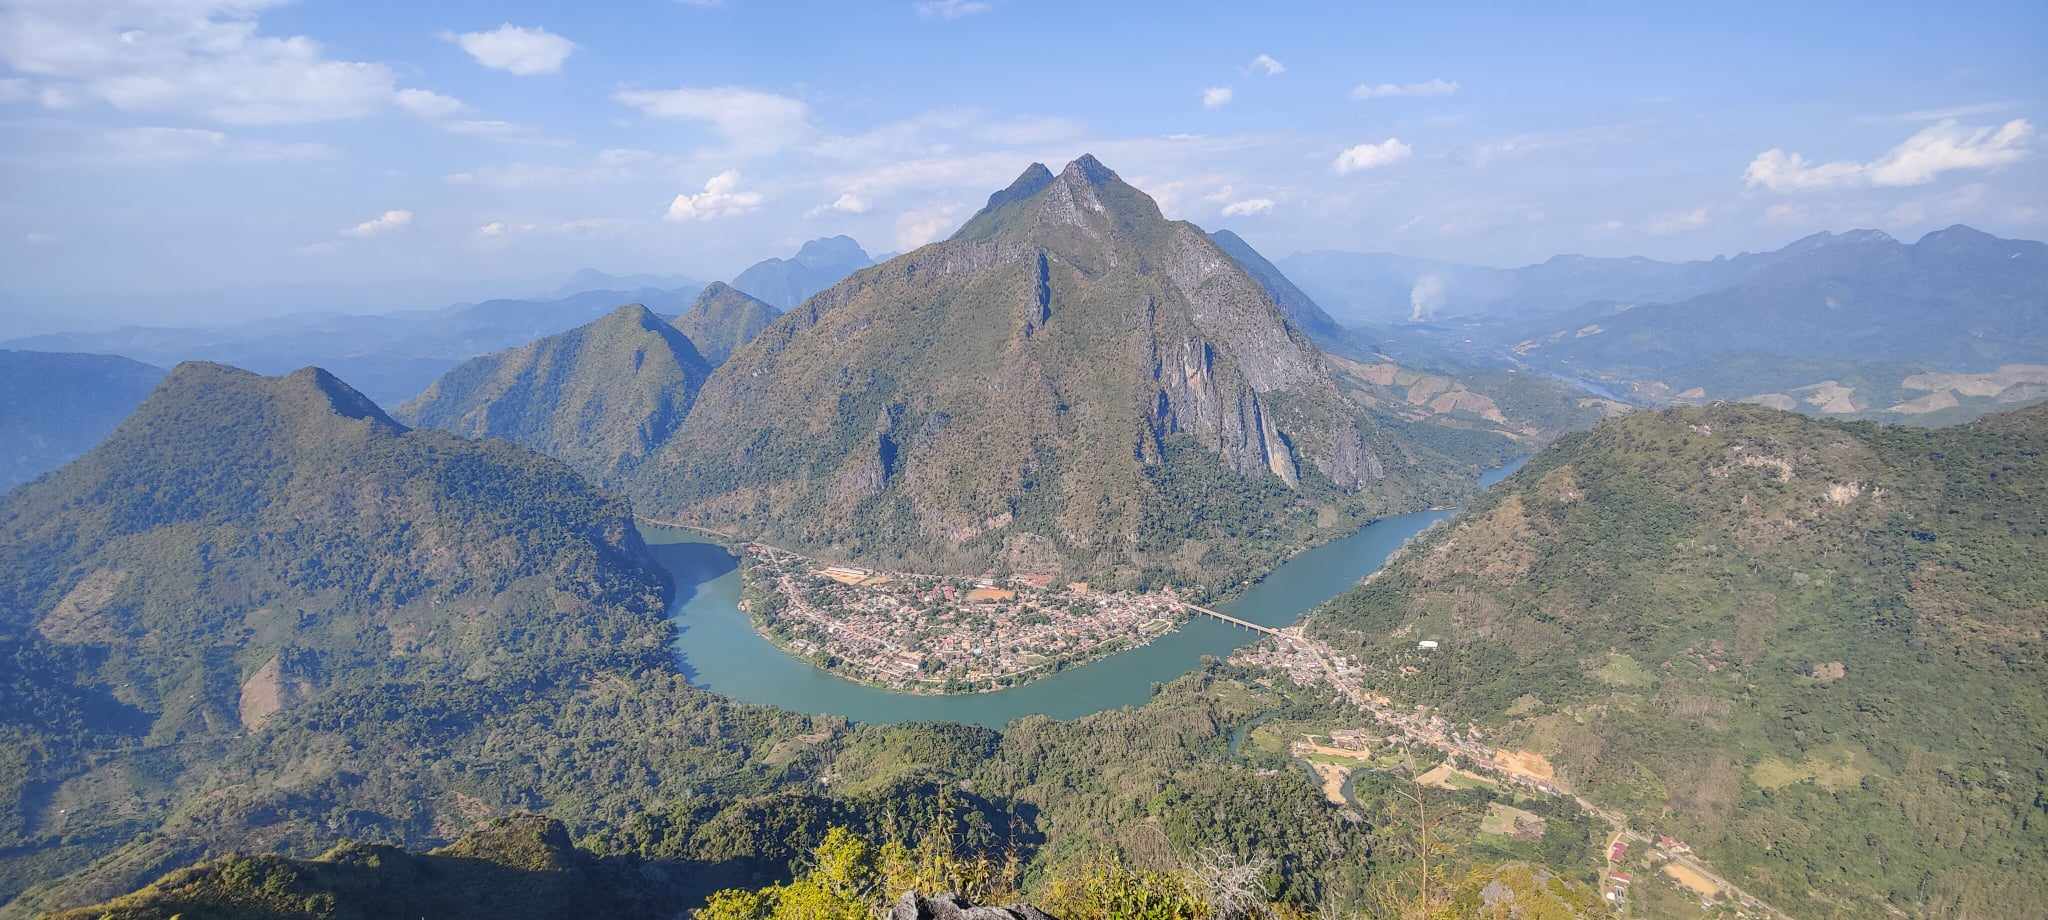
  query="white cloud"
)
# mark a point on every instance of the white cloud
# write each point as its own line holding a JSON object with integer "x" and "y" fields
{"x": 1371, "y": 156}
{"x": 613, "y": 164}
{"x": 1266, "y": 64}
{"x": 152, "y": 145}
{"x": 1248, "y": 207}
{"x": 516, "y": 49}
{"x": 721, "y": 197}
{"x": 506, "y": 131}
{"x": 1678, "y": 222}
{"x": 1785, "y": 213}
{"x": 427, "y": 104}
{"x": 38, "y": 238}
{"x": 582, "y": 226}
{"x": 1385, "y": 90}
{"x": 207, "y": 58}
{"x": 1918, "y": 160}
{"x": 1970, "y": 110}
{"x": 379, "y": 225}
{"x": 918, "y": 227}
{"x": 1216, "y": 97}
{"x": 751, "y": 120}
{"x": 849, "y": 203}
{"x": 950, "y": 9}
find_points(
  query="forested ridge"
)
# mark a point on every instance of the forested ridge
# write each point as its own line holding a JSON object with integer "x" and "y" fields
{"x": 1813, "y": 648}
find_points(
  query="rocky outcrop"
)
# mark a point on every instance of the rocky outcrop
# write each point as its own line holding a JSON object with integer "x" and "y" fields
{"x": 1059, "y": 369}
{"x": 914, "y": 906}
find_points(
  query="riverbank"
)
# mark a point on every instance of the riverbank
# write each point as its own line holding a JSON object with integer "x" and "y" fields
{"x": 719, "y": 649}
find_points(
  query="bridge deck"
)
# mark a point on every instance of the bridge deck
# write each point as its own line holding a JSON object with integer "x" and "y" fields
{"x": 1234, "y": 621}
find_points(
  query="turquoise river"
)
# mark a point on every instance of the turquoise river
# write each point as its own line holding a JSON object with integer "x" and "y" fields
{"x": 720, "y": 651}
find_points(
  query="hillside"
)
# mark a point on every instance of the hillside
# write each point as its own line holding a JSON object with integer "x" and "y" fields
{"x": 599, "y": 397}
{"x": 671, "y": 795}
{"x": 1071, "y": 382}
{"x": 723, "y": 319}
{"x": 245, "y": 546}
{"x": 522, "y": 867}
{"x": 1299, "y": 308}
{"x": 54, "y": 407}
{"x": 819, "y": 264}
{"x": 1812, "y": 650}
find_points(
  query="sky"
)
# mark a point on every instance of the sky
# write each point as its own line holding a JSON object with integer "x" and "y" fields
{"x": 157, "y": 146}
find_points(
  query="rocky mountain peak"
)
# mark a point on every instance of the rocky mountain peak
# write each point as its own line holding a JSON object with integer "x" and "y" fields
{"x": 1090, "y": 170}
{"x": 831, "y": 250}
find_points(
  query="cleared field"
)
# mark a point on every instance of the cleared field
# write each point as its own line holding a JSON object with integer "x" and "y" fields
{"x": 1832, "y": 769}
{"x": 1623, "y": 671}
{"x": 1445, "y": 776}
{"x": 1692, "y": 879}
{"x": 1332, "y": 777}
{"x": 982, "y": 595}
{"x": 1527, "y": 763}
{"x": 1509, "y": 821}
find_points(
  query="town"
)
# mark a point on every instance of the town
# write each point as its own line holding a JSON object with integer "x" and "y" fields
{"x": 936, "y": 634}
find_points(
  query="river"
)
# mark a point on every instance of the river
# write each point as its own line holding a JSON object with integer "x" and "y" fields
{"x": 719, "y": 650}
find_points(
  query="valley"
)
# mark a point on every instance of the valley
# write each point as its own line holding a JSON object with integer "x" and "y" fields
{"x": 733, "y": 461}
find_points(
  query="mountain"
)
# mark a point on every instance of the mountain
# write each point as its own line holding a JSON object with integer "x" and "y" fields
{"x": 242, "y": 547}
{"x": 723, "y": 319}
{"x": 599, "y": 397}
{"x": 393, "y": 356}
{"x": 1387, "y": 288}
{"x": 54, "y": 407}
{"x": 1957, "y": 299}
{"x": 820, "y": 264}
{"x": 1298, "y": 307}
{"x": 1069, "y": 382}
{"x": 590, "y": 279}
{"x": 1817, "y": 652}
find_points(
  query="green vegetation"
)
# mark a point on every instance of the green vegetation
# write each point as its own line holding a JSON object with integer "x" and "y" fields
{"x": 1812, "y": 650}
{"x": 515, "y": 868}
{"x": 1071, "y": 384}
{"x": 723, "y": 319}
{"x": 243, "y": 547}
{"x": 599, "y": 397}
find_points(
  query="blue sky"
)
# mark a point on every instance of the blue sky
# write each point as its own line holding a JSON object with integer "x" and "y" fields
{"x": 149, "y": 146}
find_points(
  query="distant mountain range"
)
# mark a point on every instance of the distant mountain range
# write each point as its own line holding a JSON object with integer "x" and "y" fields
{"x": 55, "y": 406}
{"x": 821, "y": 263}
{"x": 1856, "y": 324}
{"x": 391, "y": 356}
{"x": 1388, "y": 288}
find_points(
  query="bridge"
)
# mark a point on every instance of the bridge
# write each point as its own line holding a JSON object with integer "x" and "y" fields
{"x": 1234, "y": 621}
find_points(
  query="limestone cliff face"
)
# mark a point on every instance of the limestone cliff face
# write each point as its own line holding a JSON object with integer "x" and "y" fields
{"x": 1034, "y": 378}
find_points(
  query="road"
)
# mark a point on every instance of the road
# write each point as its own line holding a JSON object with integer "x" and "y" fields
{"x": 1358, "y": 697}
